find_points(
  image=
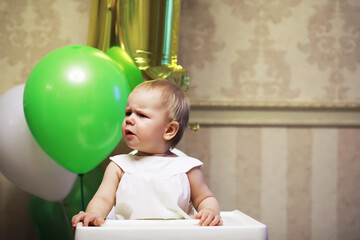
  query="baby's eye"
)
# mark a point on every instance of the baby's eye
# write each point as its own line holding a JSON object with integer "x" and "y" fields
{"x": 142, "y": 115}
{"x": 127, "y": 113}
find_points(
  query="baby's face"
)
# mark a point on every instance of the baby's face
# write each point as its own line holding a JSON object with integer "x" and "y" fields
{"x": 146, "y": 121}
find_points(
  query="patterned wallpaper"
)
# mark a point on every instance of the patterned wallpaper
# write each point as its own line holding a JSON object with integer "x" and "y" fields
{"x": 30, "y": 29}
{"x": 301, "y": 182}
{"x": 284, "y": 50}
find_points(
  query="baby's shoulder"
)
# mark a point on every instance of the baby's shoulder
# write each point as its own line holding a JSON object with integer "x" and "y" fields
{"x": 120, "y": 158}
{"x": 186, "y": 163}
{"x": 124, "y": 161}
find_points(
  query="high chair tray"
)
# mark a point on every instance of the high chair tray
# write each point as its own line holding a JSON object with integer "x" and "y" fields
{"x": 236, "y": 226}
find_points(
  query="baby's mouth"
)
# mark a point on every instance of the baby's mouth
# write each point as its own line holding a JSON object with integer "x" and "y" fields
{"x": 128, "y": 132}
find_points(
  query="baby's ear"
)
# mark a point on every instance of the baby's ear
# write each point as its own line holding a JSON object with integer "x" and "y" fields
{"x": 171, "y": 130}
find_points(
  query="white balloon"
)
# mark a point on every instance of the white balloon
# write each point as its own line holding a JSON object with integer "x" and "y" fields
{"x": 22, "y": 161}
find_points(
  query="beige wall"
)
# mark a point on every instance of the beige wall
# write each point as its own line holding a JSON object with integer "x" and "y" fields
{"x": 285, "y": 50}
{"x": 300, "y": 181}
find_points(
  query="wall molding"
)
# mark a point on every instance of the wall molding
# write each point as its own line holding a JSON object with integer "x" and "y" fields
{"x": 306, "y": 114}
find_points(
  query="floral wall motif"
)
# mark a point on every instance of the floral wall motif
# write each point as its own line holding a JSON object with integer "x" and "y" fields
{"x": 245, "y": 81}
{"x": 271, "y": 51}
{"x": 197, "y": 47}
{"x": 31, "y": 29}
{"x": 302, "y": 182}
{"x": 198, "y": 40}
{"x": 333, "y": 45}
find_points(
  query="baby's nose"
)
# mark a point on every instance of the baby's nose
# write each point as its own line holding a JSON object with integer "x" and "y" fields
{"x": 130, "y": 120}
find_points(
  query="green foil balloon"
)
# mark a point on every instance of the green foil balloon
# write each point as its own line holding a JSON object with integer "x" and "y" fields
{"x": 132, "y": 72}
{"x": 74, "y": 103}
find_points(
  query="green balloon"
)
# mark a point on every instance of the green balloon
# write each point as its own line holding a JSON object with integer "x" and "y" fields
{"x": 132, "y": 72}
{"x": 74, "y": 103}
{"x": 52, "y": 220}
{"x": 91, "y": 182}
{"x": 49, "y": 219}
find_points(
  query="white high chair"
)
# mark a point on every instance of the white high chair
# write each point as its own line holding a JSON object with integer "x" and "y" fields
{"x": 236, "y": 226}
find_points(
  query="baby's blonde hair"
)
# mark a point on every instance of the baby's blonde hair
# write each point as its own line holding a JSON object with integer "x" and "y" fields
{"x": 176, "y": 102}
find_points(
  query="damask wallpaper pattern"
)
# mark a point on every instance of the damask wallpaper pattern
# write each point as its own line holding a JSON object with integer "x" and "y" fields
{"x": 278, "y": 72}
{"x": 285, "y": 50}
{"x": 333, "y": 45}
{"x": 301, "y": 182}
{"x": 31, "y": 29}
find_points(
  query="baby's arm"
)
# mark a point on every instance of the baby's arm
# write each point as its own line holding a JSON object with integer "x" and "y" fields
{"x": 203, "y": 200}
{"x": 102, "y": 202}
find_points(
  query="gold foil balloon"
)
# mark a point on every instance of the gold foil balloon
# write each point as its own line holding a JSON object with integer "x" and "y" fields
{"x": 148, "y": 30}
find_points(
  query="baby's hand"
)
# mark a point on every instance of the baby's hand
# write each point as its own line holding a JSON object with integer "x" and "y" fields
{"x": 88, "y": 219}
{"x": 208, "y": 218}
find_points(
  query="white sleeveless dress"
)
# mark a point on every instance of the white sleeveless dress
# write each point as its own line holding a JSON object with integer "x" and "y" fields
{"x": 154, "y": 187}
